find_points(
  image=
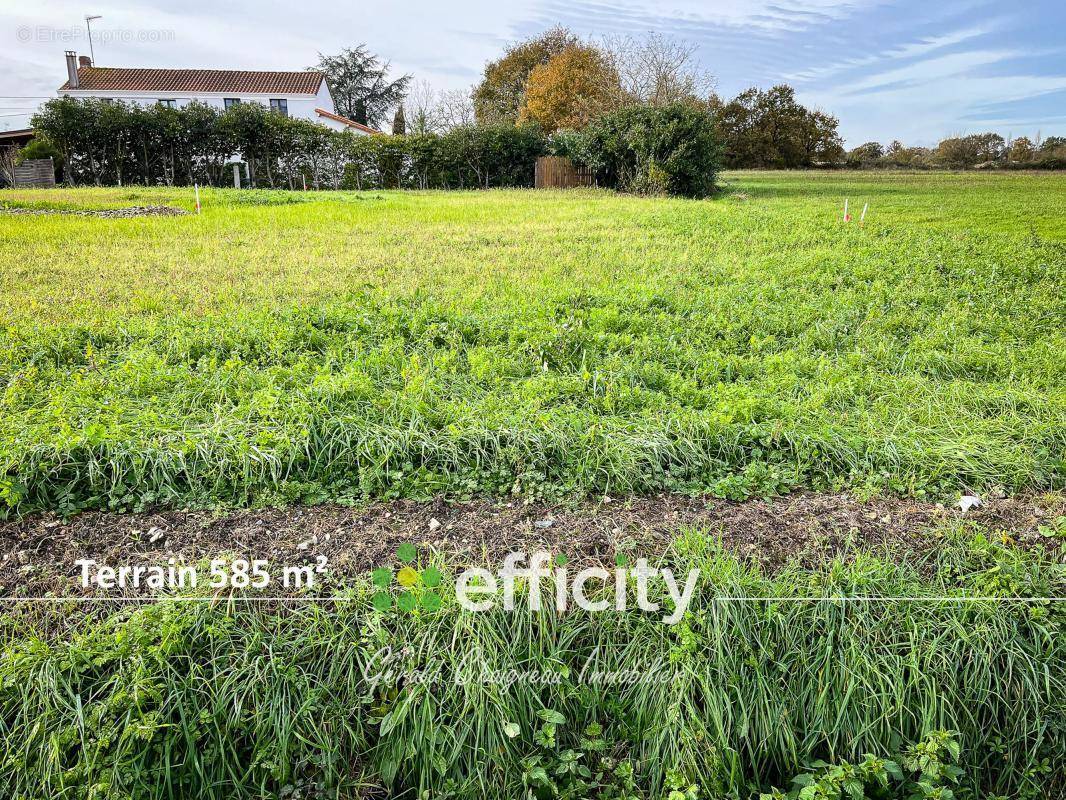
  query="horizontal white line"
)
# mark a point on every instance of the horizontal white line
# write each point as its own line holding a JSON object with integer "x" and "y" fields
{"x": 227, "y": 598}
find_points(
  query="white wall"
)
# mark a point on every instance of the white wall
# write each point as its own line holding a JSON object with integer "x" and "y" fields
{"x": 301, "y": 106}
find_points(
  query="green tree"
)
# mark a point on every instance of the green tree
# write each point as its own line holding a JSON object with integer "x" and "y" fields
{"x": 819, "y": 138}
{"x": 245, "y": 124}
{"x": 1052, "y": 144}
{"x": 360, "y": 85}
{"x": 399, "y": 122}
{"x": 670, "y": 149}
{"x": 70, "y": 125}
{"x": 771, "y": 129}
{"x": 865, "y": 154}
{"x": 39, "y": 147}
{"x": 969, "y": 151}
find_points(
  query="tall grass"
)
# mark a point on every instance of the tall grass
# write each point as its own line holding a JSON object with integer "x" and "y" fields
{"x": 243, "y": 700}
{"x": 350, "y": 346}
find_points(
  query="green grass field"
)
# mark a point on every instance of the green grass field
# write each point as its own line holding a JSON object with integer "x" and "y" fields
{"x": 286, "y": 346}
{"x": 333, "y": 699}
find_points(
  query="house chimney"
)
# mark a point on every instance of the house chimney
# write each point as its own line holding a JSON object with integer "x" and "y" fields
{"x": 84, "y": 61}
{"x": 72, "y": 69}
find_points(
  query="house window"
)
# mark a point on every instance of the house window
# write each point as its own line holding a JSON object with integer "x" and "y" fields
{"x": 168, "y": 103}
{"x": 230, "y": 102}
{"x": 280, "y": 106}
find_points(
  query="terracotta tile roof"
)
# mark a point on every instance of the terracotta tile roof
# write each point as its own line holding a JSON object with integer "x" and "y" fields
{"x": 349, "y": 122}
{"x": 116, "y": 79}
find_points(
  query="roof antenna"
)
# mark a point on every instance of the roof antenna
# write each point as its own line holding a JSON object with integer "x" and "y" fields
{"x": 88, "y": 19}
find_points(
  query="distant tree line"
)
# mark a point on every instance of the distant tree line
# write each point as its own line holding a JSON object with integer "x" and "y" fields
{"x": 976, "y": 151}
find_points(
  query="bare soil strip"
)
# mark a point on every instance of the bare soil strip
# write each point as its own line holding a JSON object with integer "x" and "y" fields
{"x": 38, "y": 553}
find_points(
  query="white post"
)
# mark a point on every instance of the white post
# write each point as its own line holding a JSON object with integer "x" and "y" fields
{"x": 236, "y": 176}
{"x": 845, "y": 209}
{"x": 862, "y": 217}
{"x": 305, "y": 181}
{"x": 196, "y": 186}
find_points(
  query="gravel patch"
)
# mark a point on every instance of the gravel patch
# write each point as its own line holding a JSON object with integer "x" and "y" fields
{"x": 109, "y": 213}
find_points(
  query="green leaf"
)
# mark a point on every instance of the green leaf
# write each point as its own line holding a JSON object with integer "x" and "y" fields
{"x": 406, "y": 552}
{"x": 512, "y": 729}
{"x": 552, "y": 716}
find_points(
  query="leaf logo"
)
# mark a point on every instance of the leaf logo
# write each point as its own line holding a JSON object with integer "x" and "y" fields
{"x": 416, "y": 589}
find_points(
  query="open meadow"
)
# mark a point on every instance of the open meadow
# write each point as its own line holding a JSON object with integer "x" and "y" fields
{"x": 744, "y": 388}
{"x": 298, "y": 347}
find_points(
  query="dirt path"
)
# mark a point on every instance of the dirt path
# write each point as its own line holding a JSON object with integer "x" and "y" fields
{"x": 38, "y": 553}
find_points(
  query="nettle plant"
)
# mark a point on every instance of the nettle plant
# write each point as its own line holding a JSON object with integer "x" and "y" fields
{"x": 925, "y": 771}
{"x": 413, "y": 589}
{"x": 591, "y": 770}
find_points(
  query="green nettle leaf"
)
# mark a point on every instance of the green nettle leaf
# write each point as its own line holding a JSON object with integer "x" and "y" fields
{"x": 430, "y": 601}
{"x": 381, "y": 577}
{"x": 382, "y": 601}
{"x": 431, "y": 577}
{"x": 406, "y": 601}
{"x": 406, "y": 552}
{"x": 551, "y": 716}
{"x": 561, "y": 560}
{"x": 512, "y": 729}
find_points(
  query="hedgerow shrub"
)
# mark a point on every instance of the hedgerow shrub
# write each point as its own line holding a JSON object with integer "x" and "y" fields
{"x": 120, "y": 143}
{"x": 669, "y": 149}
{"x": 468, "y": 157}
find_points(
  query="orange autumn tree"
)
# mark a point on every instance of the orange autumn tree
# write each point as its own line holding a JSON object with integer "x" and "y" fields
{"x": 570, "y": 89}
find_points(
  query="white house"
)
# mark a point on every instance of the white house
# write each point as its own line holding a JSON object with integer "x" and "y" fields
{"x": 295, "y": 94}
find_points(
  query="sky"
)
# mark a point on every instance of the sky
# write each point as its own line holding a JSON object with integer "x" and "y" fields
{"x": 912, "y": 70}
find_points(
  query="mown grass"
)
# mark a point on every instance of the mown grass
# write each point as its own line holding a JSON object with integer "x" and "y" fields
{"x": 300, "y": 347}
{"x": 324, "y": 699}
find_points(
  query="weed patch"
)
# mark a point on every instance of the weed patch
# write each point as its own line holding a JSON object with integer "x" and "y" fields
{"x": 309, "y": 347}
{"x": 816, "y": 672}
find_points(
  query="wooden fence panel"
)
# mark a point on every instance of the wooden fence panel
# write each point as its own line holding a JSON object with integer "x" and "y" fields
{"x": 557, "y": 172}
{"x": 37, "y": 173}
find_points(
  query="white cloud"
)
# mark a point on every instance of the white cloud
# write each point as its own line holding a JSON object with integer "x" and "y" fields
{"x": 920, "y": 47}
{"x": 922, "y": 113}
